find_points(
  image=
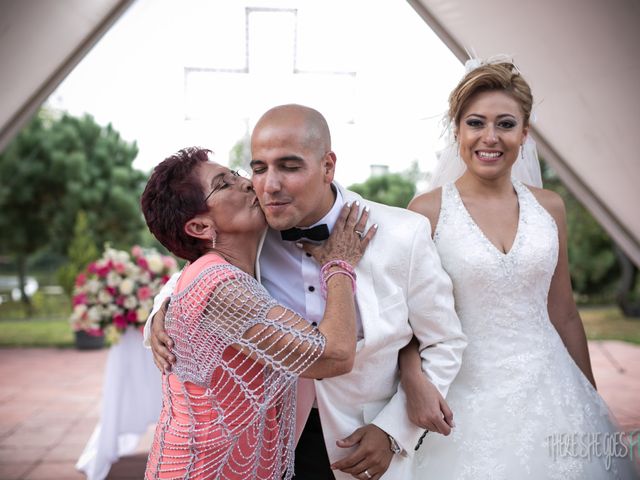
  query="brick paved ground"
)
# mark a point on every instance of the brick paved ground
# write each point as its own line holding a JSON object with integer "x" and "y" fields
{"x": 49, "y": 405}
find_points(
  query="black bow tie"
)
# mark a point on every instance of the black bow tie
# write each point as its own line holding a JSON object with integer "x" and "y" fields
{"x": 317, "y": 233}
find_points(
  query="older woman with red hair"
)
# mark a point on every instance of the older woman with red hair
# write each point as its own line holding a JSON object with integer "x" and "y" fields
{"x": 229, "y": 401}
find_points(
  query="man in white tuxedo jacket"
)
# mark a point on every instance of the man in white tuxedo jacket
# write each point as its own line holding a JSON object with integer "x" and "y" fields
{"x": 402, "y": 291}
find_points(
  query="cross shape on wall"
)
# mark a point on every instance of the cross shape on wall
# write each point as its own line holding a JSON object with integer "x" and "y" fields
{"x": 270, "y": 75}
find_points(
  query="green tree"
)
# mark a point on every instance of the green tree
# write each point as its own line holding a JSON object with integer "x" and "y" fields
{"x": 240, "y": 154}
{"x": 31, "y": 182}
{"x": 82, "y": 251}
{"x": 108, "y": 188}
{"x": 396, "y": 189}
{"x": 594, "y": 268}
{"x": 57, "y": 166}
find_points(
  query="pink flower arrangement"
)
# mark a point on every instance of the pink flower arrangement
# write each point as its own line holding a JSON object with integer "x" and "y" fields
{"x": 116, "y": 291}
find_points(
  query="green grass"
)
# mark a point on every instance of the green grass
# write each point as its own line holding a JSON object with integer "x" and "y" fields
{"x": 608, "y": 323}
{"x": 47, "y": 326}
{"x": 601, "y": 323}
{"x": 44, "y": 307}
{"x": 36, "y": 333}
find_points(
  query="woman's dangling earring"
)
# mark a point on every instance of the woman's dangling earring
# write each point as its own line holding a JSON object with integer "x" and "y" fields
{"x": 214, "y": 235}
{"x": 457, "y": 146}
{"x": 522, "y": 151}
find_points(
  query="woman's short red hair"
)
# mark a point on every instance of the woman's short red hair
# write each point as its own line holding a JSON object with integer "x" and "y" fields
{"x": 172, "y": 197}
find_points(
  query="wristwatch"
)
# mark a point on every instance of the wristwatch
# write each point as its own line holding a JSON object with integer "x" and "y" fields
{"x": 393, "y": 445}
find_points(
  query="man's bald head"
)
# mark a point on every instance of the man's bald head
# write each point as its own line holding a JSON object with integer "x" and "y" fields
{"x": 314, "y": 125}
{"x": 293, "y": 166}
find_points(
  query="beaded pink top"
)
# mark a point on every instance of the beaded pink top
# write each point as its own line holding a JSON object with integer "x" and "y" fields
{"x": 229, "y": 403}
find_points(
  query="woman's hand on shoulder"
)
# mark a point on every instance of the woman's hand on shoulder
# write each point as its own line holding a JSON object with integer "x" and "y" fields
{"x": 349, "y": 238}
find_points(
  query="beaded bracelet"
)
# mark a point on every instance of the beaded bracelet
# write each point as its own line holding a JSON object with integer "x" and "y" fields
{"x": 323, "y": 284}
{"x": 342, "y": 268}
{"x": 337, "y": 263}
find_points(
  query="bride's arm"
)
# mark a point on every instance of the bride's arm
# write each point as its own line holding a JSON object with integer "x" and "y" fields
{"x": 425, "y": 405}
{"x": 562, "y": 308}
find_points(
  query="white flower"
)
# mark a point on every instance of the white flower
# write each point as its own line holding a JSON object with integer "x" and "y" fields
{"x": 126, "y": 286}
{"x": 471, "y": 64}
{"x": 115, "y": 255}
{"x": 131, "y": 270}
{"x": 86, "y": 324}
{"x": 105, "y": 297}
{"x": 130, "y": 302}
{"x": 93, "y": 286}
{"x": 94, "y": 314}
{"x": 113, "y": 279}
{"x": 78, "y": 312}
{"x": 156, "y": 265}
{"x": 122, "y": 257}
{"x": 143, "y": 313}
{"x": 145, "y": 277}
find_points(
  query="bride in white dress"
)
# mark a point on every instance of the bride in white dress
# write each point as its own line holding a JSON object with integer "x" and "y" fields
{"x": 525, "y": 391}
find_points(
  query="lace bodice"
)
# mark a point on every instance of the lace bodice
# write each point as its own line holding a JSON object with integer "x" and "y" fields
{"x": 497, "y": 278}
{"x": 489, "y": 286}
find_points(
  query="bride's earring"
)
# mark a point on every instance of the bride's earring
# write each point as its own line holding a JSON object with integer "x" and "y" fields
{"x": 214, "y": 235}
{"x": 522, "y": 151}
{"x": 457, "y": 146}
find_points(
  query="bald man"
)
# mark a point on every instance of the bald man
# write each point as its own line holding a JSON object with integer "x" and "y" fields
{"x": 355, "y": 425}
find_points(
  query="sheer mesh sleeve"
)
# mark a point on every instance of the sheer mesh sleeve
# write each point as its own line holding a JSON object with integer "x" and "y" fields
{"x": 226, "y": 307}
{"x": 229, "y": 404}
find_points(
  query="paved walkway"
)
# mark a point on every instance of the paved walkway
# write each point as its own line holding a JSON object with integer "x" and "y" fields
{"x": 49, "y": 405}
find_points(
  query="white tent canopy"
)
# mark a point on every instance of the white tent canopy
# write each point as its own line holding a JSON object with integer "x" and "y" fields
{"x": 579, "y": 56}
{"x": 40, "y": 43}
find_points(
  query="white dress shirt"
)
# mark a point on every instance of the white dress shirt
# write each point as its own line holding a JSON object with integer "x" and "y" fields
{"x": 292, "y": 276}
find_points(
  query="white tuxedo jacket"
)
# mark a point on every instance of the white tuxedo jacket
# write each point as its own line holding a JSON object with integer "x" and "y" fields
{"x": 402, "y": 291}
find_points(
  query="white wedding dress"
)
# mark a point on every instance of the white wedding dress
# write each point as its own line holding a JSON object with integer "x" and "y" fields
{"x": 518, "y": 384}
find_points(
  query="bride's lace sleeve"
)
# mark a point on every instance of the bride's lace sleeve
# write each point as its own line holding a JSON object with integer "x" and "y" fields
{"x": 224, "y": 307}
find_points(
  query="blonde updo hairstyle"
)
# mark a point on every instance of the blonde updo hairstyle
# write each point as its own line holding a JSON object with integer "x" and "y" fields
{"x": 491, "y": 77}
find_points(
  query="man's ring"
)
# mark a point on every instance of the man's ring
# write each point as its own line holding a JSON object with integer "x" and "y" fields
{"x": 366, "y": 472}
{"x": 360, "y": 234}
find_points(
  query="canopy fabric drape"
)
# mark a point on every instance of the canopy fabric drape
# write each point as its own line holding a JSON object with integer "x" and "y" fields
{"x": 40, "y": 43}
{"x": 579, "y": 56}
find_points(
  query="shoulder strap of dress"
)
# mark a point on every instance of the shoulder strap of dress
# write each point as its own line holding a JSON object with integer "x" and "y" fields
{"x": 446, "y": 194}
{"x": 448, "y": 197}
{"x": 524, "y": 194}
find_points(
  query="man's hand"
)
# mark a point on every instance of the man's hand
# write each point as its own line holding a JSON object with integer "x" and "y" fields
{"x": 372, "y": 456}
{"x": 426, "y": 407}
{"x": 161, "y": 343}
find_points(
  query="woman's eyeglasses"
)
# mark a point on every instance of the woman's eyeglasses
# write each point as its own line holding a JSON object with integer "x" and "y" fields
{"x": 228, "y": 179}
